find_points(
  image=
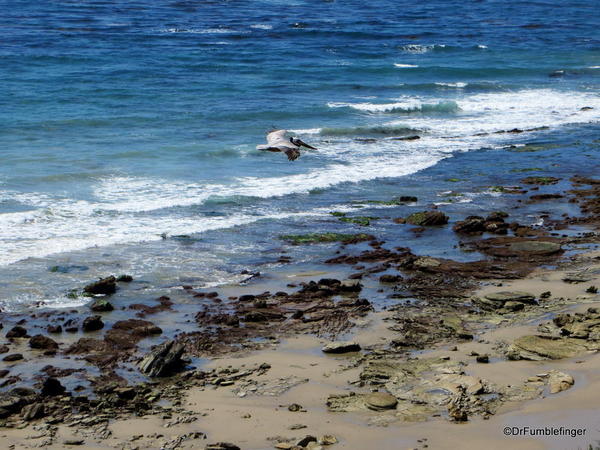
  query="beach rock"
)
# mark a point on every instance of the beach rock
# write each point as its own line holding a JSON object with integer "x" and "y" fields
{"x": 222, "y": 446}
{"x": 52, "y": 387}
{"x": 328, "y": 439}
{"x": 390, "y": 278}
{"x": 579, "y": 277}
{"x": 41, "y": 342}
{"x": 350, "y": 286}
{"x": 10, "y": 403}
{"x": 537, "y": 348}
{"x": 540, "y": 180}
{"x": 514, "y": 306}
{"x": 559, "y": 381}
{"x": 101, "y": 305}
{"x": 484, "y": 359}
{"x": 306, "y": 440}
{"x": 33, "y": 411}
{"x": 17, "y": 332}
{"x": 104, "y": 286}
{"x": 74, "y": 441}
{"x": 341, "y": 347}
{"x": 4, "y": 349}
{"x": 54, "y": 329}
{"x": 536, "y": 247}
{"x": 458, "y": 407}
{"x": 124, "y": 279}
{"x": 378, "y": 401}
{"x": 92, "y": 323}
{"x": 471, "y": 225}
{"x": 13, "y": 357}
{"x": 511, "y": 296}
{"x": 164, "y": 360}
{"x": 427, "y": 218}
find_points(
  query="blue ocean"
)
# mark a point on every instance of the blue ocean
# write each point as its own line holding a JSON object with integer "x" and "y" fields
{"x": 128, "y": 128}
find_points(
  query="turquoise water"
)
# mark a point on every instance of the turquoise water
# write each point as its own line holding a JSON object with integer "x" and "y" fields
{"x": 125, "y": 121}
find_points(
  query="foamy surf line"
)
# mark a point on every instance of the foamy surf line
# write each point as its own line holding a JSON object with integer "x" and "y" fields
{"x": 78, "y": 225}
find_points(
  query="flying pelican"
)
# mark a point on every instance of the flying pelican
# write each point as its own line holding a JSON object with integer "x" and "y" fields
{"x": 277, "y": 142}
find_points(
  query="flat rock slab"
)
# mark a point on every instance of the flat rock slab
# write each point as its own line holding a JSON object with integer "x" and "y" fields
{"x": 380, "y": 400}
{"x": 537, "y": 348}
{"x": 341, "y": 347}
{"x": 512, "y": 296}
{"x": 580, "y": 277}
{"x": 536, "y": 247}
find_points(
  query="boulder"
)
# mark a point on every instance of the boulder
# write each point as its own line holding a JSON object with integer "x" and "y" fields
{"x": 341, "y": 347}
{"x": 104, "y": 286}
{"x": 41, "y": 342}
{"x": 164, "y": 360}
{"x": 92, "y": 323}
{"x": 13, "y": 357}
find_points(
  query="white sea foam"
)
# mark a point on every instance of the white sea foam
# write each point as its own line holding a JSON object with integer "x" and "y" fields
{"x": 481, "y": 46}
{"x": 407, "y": 106}
{"x": 262, "y": 26}
{"x": 405, "y": 66}
{"x": 458, "y": 84}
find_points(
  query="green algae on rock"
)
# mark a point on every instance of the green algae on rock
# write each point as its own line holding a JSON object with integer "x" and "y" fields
{"x": 315, "y": 238}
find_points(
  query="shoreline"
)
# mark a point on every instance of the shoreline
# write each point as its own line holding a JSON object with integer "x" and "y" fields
{"x": 440, "y": 303}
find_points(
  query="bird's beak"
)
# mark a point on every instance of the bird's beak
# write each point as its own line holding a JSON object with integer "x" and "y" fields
{"x": 304, "y": 144}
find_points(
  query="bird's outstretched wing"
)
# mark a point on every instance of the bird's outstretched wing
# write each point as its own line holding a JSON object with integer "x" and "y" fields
{"x": 292, "y": 153}
{"x": 304, "y": 144}
{"x": 276, "y": 136}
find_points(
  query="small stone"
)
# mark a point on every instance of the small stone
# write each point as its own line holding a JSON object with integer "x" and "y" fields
{"x": 341, "y": 347}
{"x": 52, "y": 387}
{"x": 73, "y": 442}
{"x": 13, "y": 357}
{"x": 483, "y": 359}
{"x": 306, "y": 440}
{"x": 297, "y": 426}
{"x": 16, "y": 332}
{"x": 559, "y": 381}
{"x": 328, "y": 439}
{"x": 295, "y": 407}
{"x": 104, "y": 286}
{"x": 102, "y": 305}
{"x": 222, "y": 446}
{"x": 41, "y": 342}
{"x": 33, "y": 411}
{"x": 515, "y": 296}
{"x": 380, "y": 400}
{"x": 92, "y": 323}
{"x": 284, "y": 446}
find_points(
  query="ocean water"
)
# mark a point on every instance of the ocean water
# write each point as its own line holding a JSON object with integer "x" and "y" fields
{"x": 123, "y": 122}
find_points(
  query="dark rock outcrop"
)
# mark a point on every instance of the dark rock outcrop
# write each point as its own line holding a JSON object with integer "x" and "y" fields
{"x": 104, "y": 286}
{"x": 163, "y": 361}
